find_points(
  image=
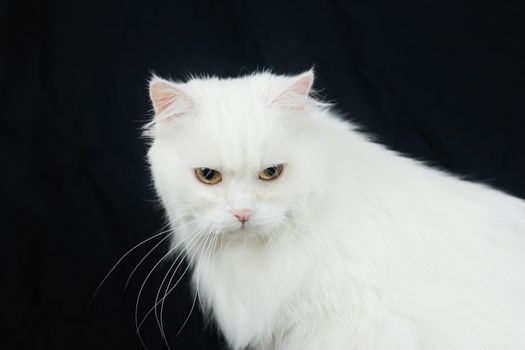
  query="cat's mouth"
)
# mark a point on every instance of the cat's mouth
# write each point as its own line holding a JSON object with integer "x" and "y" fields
{"x": 244, "y": 228}
{"x": 254, "y": 229}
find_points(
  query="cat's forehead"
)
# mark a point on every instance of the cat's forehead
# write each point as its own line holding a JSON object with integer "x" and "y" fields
{"x": 234, "y": 125}
{"x": 233, "y": 97}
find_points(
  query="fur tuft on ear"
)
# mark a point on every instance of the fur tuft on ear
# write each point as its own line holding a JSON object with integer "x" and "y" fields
{"x": 296, "y": 93}
{"x": 167, "y": 97}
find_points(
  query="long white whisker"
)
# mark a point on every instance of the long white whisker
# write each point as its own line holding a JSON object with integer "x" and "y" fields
{"x": 144, "y": 283}
{"x": 124, "y": 256}
{"x": 151, "y": 251}
{"x": 184, "y": 253}
{"x": 144, "y": 258}
{"x": 215, "y": 238}
{"x": 210, "y": 234}
{"x": 192, "y": 237}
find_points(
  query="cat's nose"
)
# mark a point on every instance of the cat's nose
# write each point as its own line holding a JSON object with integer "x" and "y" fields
{"x": 243, "y": 214}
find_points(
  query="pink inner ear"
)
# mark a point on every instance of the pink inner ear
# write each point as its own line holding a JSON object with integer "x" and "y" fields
{"x": 162, "y": 95}
{"x": 294, "y": 96}
{"x": 303, "y": 85}
{"x": 167, "y": 97}
{"x": 163, "y": 101}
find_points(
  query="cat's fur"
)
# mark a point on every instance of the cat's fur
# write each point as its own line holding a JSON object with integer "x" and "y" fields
{"x": 353, "y": 247}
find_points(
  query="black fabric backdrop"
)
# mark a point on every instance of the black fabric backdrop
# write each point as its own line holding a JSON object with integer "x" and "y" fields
{"x": 439, "y": 80}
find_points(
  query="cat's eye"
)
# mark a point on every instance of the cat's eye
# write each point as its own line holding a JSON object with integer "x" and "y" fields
{"x": 208, "y": 176}
{"x": 271, "y": 173}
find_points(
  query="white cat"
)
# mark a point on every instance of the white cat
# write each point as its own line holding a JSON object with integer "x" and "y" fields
{"x": 303, "y": 234}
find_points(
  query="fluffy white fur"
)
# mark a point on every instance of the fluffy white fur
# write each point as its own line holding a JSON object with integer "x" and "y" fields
{"x": 353, "y": 247}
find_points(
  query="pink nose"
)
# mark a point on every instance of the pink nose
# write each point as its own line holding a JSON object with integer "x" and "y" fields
{"x": 243, "y": 214}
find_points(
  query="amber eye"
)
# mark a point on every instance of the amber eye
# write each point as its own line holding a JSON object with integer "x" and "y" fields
{"x": 271, "y": 173}
{"x": 208, "y": 176}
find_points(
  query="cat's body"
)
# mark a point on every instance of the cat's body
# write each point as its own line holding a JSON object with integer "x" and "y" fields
{"x": 352, "y": 247}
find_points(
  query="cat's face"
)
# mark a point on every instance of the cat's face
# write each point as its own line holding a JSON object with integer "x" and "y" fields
{"x": 233, "y": 157}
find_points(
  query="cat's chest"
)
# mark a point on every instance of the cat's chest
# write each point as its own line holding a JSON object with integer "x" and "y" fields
{"x": 246, "y": 289}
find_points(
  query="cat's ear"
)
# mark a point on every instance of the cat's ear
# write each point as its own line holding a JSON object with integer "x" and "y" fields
{"x": 295, "y": 94}
{"x": 167, "y": 97}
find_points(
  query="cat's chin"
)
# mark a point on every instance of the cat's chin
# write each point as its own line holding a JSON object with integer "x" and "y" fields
{"x": 243, "y": 233}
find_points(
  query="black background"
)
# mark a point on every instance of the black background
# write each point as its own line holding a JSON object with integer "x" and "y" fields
{"x": 439, "y": 80}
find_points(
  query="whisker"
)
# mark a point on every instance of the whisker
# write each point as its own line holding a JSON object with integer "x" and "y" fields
{"x": 144, "y": 283}
{"x": 144, "y": 258}
{"x": 151, "y": 251}
{"x": 161, "y": 301}
{"x": 196, "y": 293}
{"x": 124, "y": 256}
{"x": 192, "y": 237}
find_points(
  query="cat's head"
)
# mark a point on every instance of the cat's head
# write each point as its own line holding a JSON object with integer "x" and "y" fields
{"x": 235, "y": 156}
